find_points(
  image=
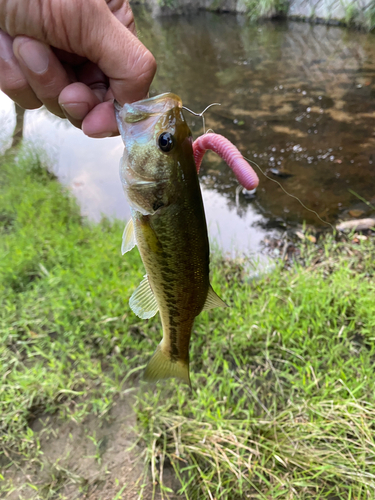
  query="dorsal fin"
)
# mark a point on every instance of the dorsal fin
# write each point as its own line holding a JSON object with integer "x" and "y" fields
{"x": 213, "y": 300}
{"x": 143, "y": 302}
{"x": 128, "y": 238}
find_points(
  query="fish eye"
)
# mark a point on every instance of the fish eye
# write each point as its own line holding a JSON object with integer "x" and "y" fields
{"x": 166, "y": 142}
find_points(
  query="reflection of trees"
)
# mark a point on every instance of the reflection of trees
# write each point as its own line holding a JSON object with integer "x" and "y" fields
{"x": 17, "y": 135}
{"x": 18, "y": 129}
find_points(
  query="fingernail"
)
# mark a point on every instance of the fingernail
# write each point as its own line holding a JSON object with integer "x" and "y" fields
{"x": 101, "y": 136}
{"x": 75, "y": 110}
{"x": 35, "y": 56}
{"x": 6, "y": 47}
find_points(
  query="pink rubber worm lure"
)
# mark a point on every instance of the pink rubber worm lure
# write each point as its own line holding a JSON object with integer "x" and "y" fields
{"x": 230, "y": 154}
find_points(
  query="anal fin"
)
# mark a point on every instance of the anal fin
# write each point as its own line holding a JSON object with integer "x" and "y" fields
{"x": 161, "y": 367}
{"x": 143, "y": 301}
{"x": 213, "y": 300}
{"x": 128, "y": 238}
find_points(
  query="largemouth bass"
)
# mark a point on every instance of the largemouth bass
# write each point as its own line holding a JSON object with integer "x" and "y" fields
{"x": 168, "y": 225}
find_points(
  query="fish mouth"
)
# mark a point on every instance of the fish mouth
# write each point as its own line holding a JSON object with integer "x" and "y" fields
{"x": 137, "y": 121}
{"x": 117, "y": 106}
{"x": 151, "y": 106}
{"x": 162, "y": 99}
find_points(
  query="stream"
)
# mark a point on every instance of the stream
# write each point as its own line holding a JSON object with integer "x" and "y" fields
{"x": 297, "y": 99}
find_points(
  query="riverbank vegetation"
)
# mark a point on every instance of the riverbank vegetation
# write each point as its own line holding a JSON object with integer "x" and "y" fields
{"x": 351, "y": 13}
{"x": 283, "y": 401}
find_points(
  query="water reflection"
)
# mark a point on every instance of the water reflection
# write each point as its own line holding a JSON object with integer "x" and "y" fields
{"x": 297, "y": 99}
{"x": 17, "y": 135}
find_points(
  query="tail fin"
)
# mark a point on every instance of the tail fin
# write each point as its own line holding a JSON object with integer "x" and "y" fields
{"x": 161, "y": 366}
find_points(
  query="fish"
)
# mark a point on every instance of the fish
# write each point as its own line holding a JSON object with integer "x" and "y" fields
{"x": 160, "y": 181}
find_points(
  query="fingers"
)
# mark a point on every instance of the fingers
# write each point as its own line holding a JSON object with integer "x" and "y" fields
{"x": 129, "y": 66}
{"x": 12, "y": 80}
{"x": 93, "y": 77}
{"x": 37, "y": 77}
{"x": 121, "y": 9}
{"x": 101, "y": 121}
{"x": 44, "y": 73}
{"x": 86, "y": 110}
{"x": 76, "y": 101}
{"x": 32, "y": 73}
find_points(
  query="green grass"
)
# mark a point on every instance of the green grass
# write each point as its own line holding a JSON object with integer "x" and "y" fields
{"x": 283, "y": 401}
{"x": 263, "y": 9}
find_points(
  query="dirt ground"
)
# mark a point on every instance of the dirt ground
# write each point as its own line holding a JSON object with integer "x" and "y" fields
{"x": 96, "y": 459}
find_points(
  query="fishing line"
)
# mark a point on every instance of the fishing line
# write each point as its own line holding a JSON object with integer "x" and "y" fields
{"x": 289, "y": 194}
{"x": 202, "y": 113}
{"x": 362, "y": 199}
{"x": 252, "y": 161}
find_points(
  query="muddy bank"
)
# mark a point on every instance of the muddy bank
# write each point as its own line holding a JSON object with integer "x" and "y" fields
{"x": 98, "y": 458}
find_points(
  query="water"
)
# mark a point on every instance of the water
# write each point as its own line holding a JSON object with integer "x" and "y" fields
{"x": 297, "y": 99}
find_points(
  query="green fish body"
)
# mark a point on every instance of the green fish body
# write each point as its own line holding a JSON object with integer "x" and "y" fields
{"x": 168, "y": 225}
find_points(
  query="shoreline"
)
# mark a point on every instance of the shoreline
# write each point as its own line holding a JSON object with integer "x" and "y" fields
{"x": 352, "y": 15}
{"x": 282, "y": 379}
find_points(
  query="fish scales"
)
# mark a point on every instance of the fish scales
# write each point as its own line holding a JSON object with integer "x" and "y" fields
{"x": 169, "y": 227}
{"x": 178, "y": 278}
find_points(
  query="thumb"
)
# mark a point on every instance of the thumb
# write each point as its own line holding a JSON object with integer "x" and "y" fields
{"x": 129, "y": 66}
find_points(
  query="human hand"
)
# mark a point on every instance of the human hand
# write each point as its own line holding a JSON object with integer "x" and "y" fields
{"x": 73, "y": 56}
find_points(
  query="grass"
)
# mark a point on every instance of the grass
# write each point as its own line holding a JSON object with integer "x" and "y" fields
{"x": 360, "y": 17}
{"x": 283, "y": 405}
{"x": 264, "y": 9}
{"x": 283, "y": 402}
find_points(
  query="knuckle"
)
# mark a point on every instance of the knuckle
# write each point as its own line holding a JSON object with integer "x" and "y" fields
{"x": 122, "y": 10}
{"x": 128, "y": 17}
{"x": 14, "y": 87}
{"x": 145, "y": 64}
{"x": 49, "y": 89}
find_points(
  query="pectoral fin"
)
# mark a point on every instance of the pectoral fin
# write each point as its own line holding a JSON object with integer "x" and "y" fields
{"x": 128, "y": 238}
{"x": 213, "y": 300}
{"x": 143, "y": 302}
